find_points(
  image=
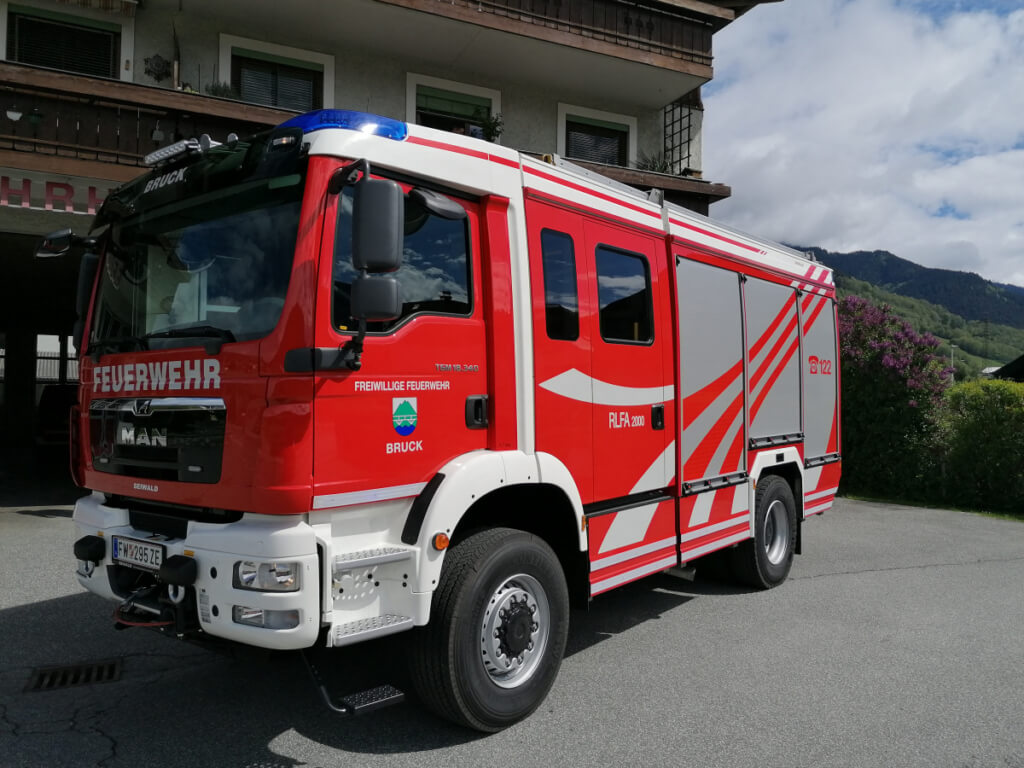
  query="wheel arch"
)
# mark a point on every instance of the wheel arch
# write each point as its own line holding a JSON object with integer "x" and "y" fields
{"x": 511, "y": 489}
{"x": 789, "y": 469}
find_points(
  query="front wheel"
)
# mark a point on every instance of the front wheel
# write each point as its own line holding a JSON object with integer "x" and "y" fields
{"x": 765, "y": 560}
{"x": 498, "y": 626}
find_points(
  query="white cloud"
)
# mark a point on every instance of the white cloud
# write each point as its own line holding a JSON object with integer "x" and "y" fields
{"x": 875, "y": 124}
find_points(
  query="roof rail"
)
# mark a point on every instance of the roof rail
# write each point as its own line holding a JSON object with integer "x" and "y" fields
{"x": 598, "y": 178}
{"x": 678, "y": 209}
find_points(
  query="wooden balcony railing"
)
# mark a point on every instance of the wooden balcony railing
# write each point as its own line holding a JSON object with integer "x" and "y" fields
{"x": 72, "y": 116}
{"x": 662, "y": 29}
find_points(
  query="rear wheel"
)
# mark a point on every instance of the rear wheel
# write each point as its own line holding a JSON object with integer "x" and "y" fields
{"x": 498, "y": 626}
{"x": 765, "y": 560}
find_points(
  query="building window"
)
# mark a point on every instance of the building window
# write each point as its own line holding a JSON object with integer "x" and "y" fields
{"x": 595, "y": 136}
{"x": 455, "y": 107}
{"x": 276, "y": 84}
{"x": 277, "y": 75}
{"x": 561, "y": 299}
{"x": 624, "y": 296}
{"x": 433, "y": 279}
{"x": 63, "y": 42}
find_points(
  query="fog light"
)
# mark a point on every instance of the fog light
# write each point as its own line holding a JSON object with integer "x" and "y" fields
{"x": 258, "y": 617}
{"x": 267, "y": 577}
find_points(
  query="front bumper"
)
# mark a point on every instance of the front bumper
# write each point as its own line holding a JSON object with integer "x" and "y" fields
{"x": 216, "y": 548}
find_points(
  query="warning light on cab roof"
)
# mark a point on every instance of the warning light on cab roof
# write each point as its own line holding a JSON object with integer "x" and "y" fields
{"x": 351, "y": 120}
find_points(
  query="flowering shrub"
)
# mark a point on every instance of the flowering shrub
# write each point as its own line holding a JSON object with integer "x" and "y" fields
{"x": 892, "y": 385}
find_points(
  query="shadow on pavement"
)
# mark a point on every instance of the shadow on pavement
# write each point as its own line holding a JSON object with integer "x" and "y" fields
{"x": 259, "y": 700}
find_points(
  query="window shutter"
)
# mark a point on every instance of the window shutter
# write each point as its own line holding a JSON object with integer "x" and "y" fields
{"x": 58, "y": 45}
{"x": 596, "y": 143}
{"x": 255, "y": 83}
{"x": 277, "y": 85}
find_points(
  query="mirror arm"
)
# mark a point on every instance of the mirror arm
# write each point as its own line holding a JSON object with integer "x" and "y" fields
{"x": 352, "y": 350}
{"x": 347, "y": 176}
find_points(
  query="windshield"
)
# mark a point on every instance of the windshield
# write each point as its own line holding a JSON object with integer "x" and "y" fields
{"x": 210, "y": 256}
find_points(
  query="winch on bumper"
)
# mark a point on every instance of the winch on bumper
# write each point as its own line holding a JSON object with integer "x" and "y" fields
{"x": 255, "y": 581}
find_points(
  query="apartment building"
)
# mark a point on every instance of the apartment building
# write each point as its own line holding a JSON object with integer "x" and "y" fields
{"x": 89, "y": 87}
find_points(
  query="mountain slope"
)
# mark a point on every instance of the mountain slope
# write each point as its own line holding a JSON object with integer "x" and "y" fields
{"x": 963, "y": 293}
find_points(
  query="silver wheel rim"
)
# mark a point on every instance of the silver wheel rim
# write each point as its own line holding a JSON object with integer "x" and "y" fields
{"x": 776, "y": 532}
{"x": 517, "y": 618}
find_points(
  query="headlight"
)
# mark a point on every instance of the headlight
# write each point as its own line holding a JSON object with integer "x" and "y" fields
{"x": 267, "y": 577}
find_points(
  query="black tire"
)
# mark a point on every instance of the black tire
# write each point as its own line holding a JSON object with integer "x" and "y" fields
{"x": 509, "y": 585}
{"x": 764, "y": 561}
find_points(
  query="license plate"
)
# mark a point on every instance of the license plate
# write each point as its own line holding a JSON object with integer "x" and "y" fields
{"x": 138, "y": 554}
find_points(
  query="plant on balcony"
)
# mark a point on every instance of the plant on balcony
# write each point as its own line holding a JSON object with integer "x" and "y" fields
{"x": 491, "y": 125}
{"x": 655, "y": 162}
{"x": 221, "y": 90}
{"x": 157, "y": 67}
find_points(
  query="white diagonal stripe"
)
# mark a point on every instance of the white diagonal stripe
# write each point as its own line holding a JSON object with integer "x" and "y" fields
{"x": 629, "y": 527}
{"x": 363, "y": 497}
{"x": 577, "y": 385}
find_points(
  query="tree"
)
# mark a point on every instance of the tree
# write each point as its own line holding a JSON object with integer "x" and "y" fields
{"x": 892, "y": 384}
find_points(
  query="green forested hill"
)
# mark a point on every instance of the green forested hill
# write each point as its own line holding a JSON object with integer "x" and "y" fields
{"x": 979, "y": 344}
{"x": 963, "y": 293}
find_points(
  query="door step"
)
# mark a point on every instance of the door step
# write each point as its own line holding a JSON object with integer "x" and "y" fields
{"x": 364, "y": 629}
{"x": 367, "y": 558}
{"x": 356, "y": 702}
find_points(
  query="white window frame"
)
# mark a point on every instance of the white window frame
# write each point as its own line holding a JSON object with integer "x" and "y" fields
{"x": 567, "y": 111}
{"x": 413, "y": 80}
{"x": 229, "y": 42}
{"x": 126, "y": 65}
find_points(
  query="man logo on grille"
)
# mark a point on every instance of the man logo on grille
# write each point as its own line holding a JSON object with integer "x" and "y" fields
{"x": 403, "y": 415}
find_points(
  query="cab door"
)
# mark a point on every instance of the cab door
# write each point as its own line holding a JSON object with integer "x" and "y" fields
{"x": 419, "y": 397}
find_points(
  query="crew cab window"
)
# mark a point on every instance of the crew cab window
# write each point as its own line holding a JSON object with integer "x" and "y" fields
{"x": 624, "y": 296}
{"x": 433, "y": 278}
{"x": 561, "y": 301}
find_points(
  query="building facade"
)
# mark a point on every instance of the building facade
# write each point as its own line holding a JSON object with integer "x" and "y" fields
{"x": 89, "y": 87}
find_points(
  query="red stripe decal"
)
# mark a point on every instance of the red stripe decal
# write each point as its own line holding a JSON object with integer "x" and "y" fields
{"x": 462, "y": 151}
{"x": 773, "y": 353}
{"x": 591, "y": 192}
{"x": 694, "y": 405}
{"x": 771, "y": 328}
{"x": 704, "y": 232}
{"x": 698, "y": 463}
{"x": 773, "y": 378}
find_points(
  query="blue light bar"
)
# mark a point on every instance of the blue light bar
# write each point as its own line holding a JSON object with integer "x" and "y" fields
{"x": 351, "y": 120}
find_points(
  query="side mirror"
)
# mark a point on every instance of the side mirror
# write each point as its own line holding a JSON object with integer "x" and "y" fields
{"x": 378, "y": 230}
{"x": 376, "y": 298}
{"x": 55, "y": 244}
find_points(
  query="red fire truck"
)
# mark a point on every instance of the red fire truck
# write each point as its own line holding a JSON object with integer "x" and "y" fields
{"x": 354, "y": 376}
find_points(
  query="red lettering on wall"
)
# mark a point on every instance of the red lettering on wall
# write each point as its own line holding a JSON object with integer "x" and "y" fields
{"x": 6, "y": 192}
{"x": 61, "y": 193}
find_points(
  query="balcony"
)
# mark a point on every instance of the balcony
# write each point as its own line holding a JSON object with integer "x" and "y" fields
{"x": 55, "y": 122}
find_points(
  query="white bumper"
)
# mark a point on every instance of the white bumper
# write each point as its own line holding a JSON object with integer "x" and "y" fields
{"x": 216, "y": 549}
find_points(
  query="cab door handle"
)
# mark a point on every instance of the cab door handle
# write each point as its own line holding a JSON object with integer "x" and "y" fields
{"x": 476, "y": 411}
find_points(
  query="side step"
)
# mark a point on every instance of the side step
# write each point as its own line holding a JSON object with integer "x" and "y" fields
{"x": 357, "y": 703}
{"x": 367, "y": 558}
{"x": 364, "y": 629}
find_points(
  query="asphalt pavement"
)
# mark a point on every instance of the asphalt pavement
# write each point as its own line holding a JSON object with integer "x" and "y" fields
{"x": 897, "y": 640}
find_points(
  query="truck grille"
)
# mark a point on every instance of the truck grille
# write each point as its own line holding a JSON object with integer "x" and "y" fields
{"x": 170, "y": 438}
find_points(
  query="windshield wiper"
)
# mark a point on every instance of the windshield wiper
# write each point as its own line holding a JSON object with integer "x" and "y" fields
{"x": 219, "y": 336}
{"x": 114, "y": 344}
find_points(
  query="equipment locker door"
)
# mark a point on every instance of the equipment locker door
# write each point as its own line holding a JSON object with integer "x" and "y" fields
{"x": 631, "y": 361}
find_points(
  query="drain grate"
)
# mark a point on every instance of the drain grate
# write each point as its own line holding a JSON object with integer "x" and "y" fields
{"x": 73, "y": 675}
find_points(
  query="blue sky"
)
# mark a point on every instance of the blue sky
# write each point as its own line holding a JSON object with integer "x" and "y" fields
{"x": 875, "y": 124}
